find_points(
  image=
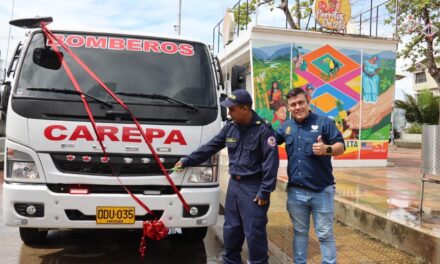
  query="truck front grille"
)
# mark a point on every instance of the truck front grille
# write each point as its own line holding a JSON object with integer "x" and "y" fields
{"x": 125, "y": 166}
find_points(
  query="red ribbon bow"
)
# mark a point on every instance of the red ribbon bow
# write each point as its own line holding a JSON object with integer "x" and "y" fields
{"x": 154, "y": 230}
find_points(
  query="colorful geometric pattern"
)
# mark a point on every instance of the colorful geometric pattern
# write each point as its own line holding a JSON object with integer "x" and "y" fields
{"x": 341, "y": 84}
{"x": 324, "y": 99}
{"x": 322, "y": 56}
{"x": 326, "y": 63}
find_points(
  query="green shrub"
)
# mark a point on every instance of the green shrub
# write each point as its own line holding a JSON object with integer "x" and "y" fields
{"x": 415, "y": 128}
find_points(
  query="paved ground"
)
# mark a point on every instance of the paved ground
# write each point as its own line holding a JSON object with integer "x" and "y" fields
{"x": 352, "y": 246}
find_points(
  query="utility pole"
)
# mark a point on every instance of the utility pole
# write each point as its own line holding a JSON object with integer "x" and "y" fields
{"x": 180, "y": 17}
{"x": 397, "y": 19}
{"x": 9, "y": 37}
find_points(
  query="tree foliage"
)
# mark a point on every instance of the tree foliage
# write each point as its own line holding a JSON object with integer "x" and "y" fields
{"x": 300, "y": 9}
{"x": 423, "y": 109}
{"x": 419, "y": 48}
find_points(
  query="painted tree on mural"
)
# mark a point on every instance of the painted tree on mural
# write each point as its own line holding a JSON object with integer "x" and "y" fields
{"x": 415, "y": 21}
{"x": 300, "y": 10}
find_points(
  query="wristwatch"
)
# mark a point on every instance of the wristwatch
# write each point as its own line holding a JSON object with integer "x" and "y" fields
{"x": 329, "y": 150}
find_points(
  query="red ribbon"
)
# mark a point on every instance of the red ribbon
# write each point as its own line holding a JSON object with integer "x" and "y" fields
{"x": 121, "y": 103}
{"x": 155, "y": 229}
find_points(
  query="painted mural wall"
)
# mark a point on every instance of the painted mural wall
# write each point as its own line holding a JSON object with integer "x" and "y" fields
{"x": 353, "y": 86}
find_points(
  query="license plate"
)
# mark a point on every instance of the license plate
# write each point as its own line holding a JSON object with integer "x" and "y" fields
{"x": 115, "y": 215}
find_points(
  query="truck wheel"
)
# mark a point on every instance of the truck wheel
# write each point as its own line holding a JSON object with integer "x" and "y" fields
{"x": 32, "y": 236}
{"x": 194, "y": 234}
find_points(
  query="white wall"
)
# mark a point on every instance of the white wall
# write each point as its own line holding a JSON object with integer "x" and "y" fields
{"x": 429, "y": 84}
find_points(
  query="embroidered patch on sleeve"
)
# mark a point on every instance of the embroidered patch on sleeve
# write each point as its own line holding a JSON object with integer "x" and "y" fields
{"x": 272, "y": 141}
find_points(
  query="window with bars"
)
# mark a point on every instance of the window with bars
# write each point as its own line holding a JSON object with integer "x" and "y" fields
{"x": 420, "y": 77}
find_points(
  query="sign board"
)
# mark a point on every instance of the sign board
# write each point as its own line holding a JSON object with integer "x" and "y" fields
{"x": 332, "y": 14}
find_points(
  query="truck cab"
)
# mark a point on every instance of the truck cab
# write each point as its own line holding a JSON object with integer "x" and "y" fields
{"x": 56, "y": 176}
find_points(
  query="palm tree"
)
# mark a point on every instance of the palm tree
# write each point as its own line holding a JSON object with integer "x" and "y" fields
{"x": 422, "y": 109}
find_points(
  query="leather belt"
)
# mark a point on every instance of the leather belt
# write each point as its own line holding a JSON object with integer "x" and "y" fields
{"x": 245, "y": 178}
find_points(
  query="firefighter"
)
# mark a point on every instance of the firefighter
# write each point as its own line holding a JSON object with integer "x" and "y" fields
{"x": 253, "y": 166}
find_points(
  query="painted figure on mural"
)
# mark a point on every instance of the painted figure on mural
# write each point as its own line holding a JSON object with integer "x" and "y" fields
{"x": 298, "y": 61}
{"x": 333, "y": 66}
{"x": 274, "y": 95}
{"x": 370, "y": 80}
{"x": 309, "y": 90}
{"x": 279, "y": 114}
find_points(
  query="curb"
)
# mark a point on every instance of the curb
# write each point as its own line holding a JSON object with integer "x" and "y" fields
{"x": 389, "y": 231}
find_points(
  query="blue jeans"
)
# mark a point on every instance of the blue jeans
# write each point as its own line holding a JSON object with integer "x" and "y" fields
{"x": 300, "y": 204}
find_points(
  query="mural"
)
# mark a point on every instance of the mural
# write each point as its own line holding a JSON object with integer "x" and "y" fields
{"x": 378, "y": 71}
{"x": 354, "y": 87}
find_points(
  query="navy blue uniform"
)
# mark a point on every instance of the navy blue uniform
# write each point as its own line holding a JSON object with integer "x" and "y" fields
{"x": 253, "y": 166}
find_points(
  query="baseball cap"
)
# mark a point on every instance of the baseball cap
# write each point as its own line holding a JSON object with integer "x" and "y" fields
{"x": 238, "y": 97}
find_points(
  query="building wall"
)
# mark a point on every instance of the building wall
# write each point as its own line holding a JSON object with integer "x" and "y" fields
{"x": 333, "y": 70}
{"x": 429, "y": 84}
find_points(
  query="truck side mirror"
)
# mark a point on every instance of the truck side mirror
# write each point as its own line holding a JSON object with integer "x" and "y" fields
{"x": 223, "y": 110}
{"x": 46, "y": 58}
{"x": 4, "y": 98}
{"x": 238, "y": 77}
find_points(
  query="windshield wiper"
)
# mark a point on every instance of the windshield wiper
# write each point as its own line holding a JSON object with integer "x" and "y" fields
{"x": 66, "y": 91}
{"x": 160, "y": 97}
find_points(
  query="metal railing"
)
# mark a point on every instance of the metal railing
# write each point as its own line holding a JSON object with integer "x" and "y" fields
{"x": 216, "y": 31}
{"x": 370, "y": 22}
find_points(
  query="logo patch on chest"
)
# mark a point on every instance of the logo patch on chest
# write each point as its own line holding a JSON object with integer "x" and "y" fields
{"x": 314, "y": 128}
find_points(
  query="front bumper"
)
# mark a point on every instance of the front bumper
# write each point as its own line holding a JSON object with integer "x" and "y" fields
{"x": 56, "y": 204}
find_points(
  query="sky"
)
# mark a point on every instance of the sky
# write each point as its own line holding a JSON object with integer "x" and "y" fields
{"x": 198, "y": 17}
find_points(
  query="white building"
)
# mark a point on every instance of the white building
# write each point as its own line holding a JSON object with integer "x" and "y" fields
{"x": 423, "y": 81}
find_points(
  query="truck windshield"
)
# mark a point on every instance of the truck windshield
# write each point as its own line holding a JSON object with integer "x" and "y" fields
{"x": 176, "y": 69}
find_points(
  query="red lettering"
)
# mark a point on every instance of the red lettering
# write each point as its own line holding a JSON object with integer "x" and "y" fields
{"x": 129, "y": 132}
{"x": 48, "y": 132}
{"x": 154, "y": 133}
{"x": 81, "y": 132}
{"x": 151, "y": 45}
{"x": 59, "y": 37}
{"x": 134, "y": 44}
{"x": 175, "y": 136}
{"x": 96, "y": 42}
{"x": 108, "y": 131}
{"x": 169, "y": 47}
{"x": 116, "y": 43}
{"x": 186, "y": 49}
{"x": 75, "y": 41}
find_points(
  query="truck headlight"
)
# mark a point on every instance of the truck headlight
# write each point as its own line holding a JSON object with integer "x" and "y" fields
{"x": 205, "y": 173}
{"x": 21, "y": 165}
{"x": 201, "y": 175}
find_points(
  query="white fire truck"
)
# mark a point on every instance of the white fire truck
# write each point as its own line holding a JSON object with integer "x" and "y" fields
{"x": 55, "y": 176}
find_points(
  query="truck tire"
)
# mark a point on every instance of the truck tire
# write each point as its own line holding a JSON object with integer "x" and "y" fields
{"x": 194, "y": 234}
{"x": 32, "y": 236}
